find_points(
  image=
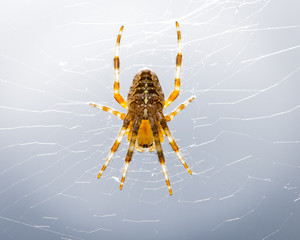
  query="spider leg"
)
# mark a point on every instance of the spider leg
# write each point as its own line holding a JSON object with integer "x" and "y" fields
{"x": 135, "y": 129}
{"x": 175, "y": 92}
{"x": 170, "y": 116}
{"x": 171, "y": 140}
{"x": 159, "y": 150}
{"x": 115, "y": 145}
{"x": 109, "y": 109}
{"x": 117, "y": 94}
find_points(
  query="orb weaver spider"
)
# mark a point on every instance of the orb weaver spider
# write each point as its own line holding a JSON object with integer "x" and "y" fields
{"x": 144, "y": 123}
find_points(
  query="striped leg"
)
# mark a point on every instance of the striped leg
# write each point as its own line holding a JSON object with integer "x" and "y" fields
{"x": 172, "y": 141}
{"x": 159, "y": 150}
{"x": 110, "y": 110}
{"x": 135, "y": 129}
{"x": 117, "y": 94}
{"x": 115, "y": 146}
{"x": 175, "y": 92}
{"x": 170, "y": 116}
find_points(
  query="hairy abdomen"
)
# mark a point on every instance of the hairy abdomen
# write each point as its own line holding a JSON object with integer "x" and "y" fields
{"x": 145, "y": 92}
{"x": 145, "y": 99}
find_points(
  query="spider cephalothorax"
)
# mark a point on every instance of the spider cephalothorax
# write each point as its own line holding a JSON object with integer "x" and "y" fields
{"x": 144, "y": 123}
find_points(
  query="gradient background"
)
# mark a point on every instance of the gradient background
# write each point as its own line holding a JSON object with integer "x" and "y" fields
{"x": 240, "y": 136}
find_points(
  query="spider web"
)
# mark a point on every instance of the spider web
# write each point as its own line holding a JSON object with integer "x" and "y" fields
{"x": 240, "y": 136}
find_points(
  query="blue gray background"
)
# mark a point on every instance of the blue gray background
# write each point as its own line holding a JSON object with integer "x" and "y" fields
{"x": 240, "y": 136}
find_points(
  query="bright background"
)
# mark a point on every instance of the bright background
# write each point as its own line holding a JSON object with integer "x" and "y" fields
{"x": 240, "y": 136}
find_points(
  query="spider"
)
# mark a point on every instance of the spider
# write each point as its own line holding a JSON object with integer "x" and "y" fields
{"x": 144, "y": 123}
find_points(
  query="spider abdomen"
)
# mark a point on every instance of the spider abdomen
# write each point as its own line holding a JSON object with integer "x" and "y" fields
{"x": 145, "y": 99}
{"x": 145, "y": 94}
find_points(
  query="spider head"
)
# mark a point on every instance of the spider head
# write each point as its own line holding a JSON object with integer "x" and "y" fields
{"x": 141, "y": 147}
{"x": 146, "y": 145}
{"x": 144, "y": 136}
{"x": 145, "y": 139}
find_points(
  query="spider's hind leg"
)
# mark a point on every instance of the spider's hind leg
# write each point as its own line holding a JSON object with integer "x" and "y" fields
{"x": 176, "y": 90}
{"x": 170, "y": 116}
{"x": 117, "y": 94}
{"x": 109, "y": 109}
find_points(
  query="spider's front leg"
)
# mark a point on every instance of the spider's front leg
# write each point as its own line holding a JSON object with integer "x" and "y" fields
{"x": 116, "y": 144}
{"x": 171, "y": 140}
{"x": 161, "y": 158}
{"x": 135, "y": 128}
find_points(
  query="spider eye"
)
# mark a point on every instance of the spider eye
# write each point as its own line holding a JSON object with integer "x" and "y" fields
{"x": 147, "y": 145}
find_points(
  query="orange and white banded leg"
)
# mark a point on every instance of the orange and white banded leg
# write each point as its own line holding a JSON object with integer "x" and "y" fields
{"x": 114, "y": 146}
{"x": 129, "y": 154}
{"x": 170, "y": 116}
{"x": 117, "y": 94}
{"x": 110, "y": 110}
{"x": 160, "y": 154}
{"x": 176, "y": 90}
{"x": 172, "y": 142}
